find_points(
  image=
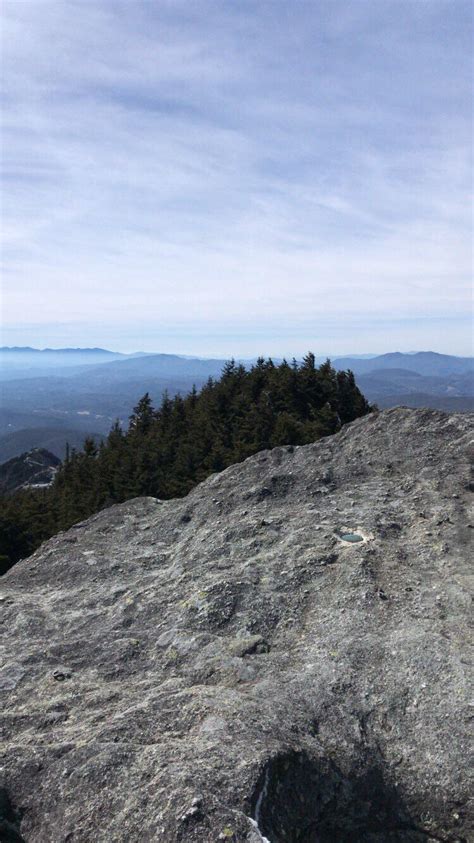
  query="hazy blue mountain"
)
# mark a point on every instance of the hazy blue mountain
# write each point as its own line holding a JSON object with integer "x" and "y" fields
{"x": 24, "y": 362}
{"x": 422, "y": 379}
{"x": 105, "y": 392}
{"x": 26, "y": 356}
{"x": 93, "y": 397}
{"x": 154, "y": 365}
{"x": 390, "y": 381}
{"x": 423, "y": 362}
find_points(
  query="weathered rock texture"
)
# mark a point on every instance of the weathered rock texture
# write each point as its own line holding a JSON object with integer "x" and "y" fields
{"x": 174, "y": 669}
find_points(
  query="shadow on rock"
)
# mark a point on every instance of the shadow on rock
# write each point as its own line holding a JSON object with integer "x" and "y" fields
{"x": 301, "y": 800}
{"x": 9, "y": 820}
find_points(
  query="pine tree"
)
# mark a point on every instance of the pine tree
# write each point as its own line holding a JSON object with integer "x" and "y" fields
{"x": 142, "y": 416}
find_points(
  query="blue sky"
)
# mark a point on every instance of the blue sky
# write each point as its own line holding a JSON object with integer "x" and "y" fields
{"x": 237, "y": 177}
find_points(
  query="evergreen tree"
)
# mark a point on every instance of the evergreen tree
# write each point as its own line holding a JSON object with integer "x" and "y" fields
{"x": 142, "y": 416}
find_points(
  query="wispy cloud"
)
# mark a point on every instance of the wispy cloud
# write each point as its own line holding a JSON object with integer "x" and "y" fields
{"x": 252, "y": 164}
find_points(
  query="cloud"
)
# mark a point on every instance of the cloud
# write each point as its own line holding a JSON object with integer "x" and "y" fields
{"x": 239, "y": 164}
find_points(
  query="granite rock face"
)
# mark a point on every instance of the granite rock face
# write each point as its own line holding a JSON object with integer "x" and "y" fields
{"x": 227, "y": 667}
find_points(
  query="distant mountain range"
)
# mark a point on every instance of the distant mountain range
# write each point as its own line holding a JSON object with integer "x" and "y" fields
{"x": 28, "y": 349}
{"x": 51, "y": 396}
{"x": 390, "y": 381}
{"x": 422, "y": 379}
{"x": 23, "y": 362}
{"x": 422, "y": 362}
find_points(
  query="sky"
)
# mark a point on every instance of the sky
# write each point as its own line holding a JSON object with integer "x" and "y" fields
{"x": 238, "y": 177}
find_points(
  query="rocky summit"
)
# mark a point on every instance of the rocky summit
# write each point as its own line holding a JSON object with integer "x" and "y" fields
{"x": 279, "y": 656}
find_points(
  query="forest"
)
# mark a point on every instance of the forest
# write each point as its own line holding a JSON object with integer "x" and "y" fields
{"x": 166, "y": 451}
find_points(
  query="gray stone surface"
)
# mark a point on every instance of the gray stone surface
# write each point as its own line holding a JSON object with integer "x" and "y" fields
{"x": 225, "y": 667}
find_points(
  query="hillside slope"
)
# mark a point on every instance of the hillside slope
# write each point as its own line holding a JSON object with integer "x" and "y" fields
{"x": 446, "y": 403}
{"x": 227, "y": 665}
{"x": 35, "y": 468}
{"x": 50, "y": 438}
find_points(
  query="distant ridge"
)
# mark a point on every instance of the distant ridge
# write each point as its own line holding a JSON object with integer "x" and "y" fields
{"x": 18, "y": 349}
{"x": 423, "y": 362}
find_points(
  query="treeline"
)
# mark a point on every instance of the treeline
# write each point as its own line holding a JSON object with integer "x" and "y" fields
{"x": 167, "y": 451}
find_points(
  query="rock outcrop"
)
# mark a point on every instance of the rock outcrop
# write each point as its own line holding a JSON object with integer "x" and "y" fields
{"x": 280, "y": 655}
